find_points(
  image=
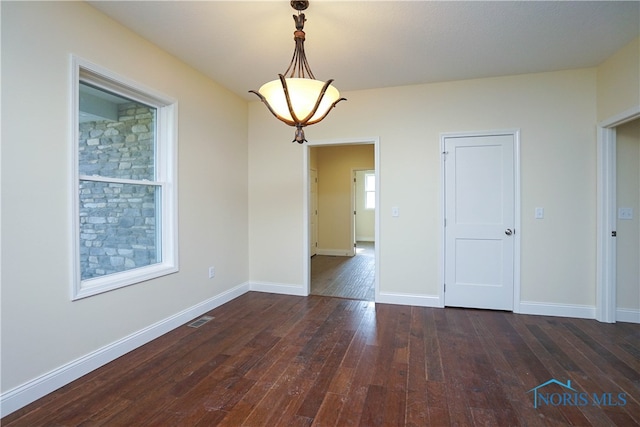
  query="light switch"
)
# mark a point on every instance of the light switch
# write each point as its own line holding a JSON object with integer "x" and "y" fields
{"x": 539, "y": 213}
{"x": 395, "y": 211}
{"x": 625, "y": 213}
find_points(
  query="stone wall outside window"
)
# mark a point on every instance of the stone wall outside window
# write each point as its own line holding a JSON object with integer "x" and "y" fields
{"x": 118, "y": 220}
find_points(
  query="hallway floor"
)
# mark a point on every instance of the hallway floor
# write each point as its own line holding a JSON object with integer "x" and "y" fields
{"x": 345, "y": 277}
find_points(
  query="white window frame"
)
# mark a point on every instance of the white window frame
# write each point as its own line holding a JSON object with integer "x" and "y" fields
{"x": 166, "y": 177}
{"x": 366, "y": 192}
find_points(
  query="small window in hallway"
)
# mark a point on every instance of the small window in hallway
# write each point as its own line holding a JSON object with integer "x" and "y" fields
{"x": 370, "y": 190}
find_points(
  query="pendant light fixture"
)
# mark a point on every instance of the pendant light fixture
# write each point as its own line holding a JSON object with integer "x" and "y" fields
{"x": 297, "y": 98}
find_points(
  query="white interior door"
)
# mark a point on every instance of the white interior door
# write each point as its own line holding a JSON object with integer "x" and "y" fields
{"x": 479, "y": 191}
{"x": 313, "y": 212}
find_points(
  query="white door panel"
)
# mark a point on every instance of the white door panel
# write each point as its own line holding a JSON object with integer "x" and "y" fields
{"x": 479, "y": 212}
{"x": 478, "y": 194}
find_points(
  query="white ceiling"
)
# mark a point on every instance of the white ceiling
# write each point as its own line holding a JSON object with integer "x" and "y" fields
{"x": 373, "y": 44}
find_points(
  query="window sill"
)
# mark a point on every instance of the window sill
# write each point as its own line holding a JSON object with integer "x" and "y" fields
{"x": 98, "y": 285}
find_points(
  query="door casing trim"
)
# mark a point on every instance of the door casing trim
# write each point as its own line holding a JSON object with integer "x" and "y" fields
{"x": 306, "y": 266}
{"x": 606, "y": 304}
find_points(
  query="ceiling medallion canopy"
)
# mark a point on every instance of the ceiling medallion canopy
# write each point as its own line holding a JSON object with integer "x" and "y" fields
{"x": 297, "y": 98}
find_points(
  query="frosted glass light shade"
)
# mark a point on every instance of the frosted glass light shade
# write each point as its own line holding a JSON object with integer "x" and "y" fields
{"x": 304, "y": 94}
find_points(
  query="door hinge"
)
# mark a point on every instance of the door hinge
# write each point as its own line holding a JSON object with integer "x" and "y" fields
{"x": 445, "y": 222}
{"x": 354, "y": 212}
{"x": 444, "y": 155}
{"x": 445, "y": 287}
{"x": 614, "y": 233}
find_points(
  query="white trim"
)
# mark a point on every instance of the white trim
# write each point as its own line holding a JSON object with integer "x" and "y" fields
{"x": 518, "y": 223}
{"x": 606, "y": 298}
{"x": 104, "y": 78}
{"x": 517, "y": 211}
{"x": 630, "y": 315}
{"x": 166, "y": 170}
{"x": 306, "y": 270}
{"x": 443, "y": 233}
{"x": 278, "y": 288}
{"x": 30, "y": 391}
{"x": 559, "y": 310}
{"x": 606, "y": 222}
{"x": 352, "y": 207}
{"x": 621, "y": 118}
{"x": 409, "y": 299}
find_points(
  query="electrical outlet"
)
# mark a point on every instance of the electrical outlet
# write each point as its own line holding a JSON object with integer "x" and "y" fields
{"x": 212, "y": 272}
{"x": 539, "y": 214}
{"x": 625, "y": 213}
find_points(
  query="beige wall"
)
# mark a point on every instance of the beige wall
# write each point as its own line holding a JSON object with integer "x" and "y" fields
{"x": 619, "y": 81}
{"x": 250, "y": 225}
{"x": 42, "y": 329}
{"x": 556, "y": 113}
{"x": 335, "y": 168}
{"x": 628, "y": 195}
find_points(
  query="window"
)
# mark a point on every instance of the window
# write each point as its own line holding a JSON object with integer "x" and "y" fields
{"x": 369, "y": 190}
{"x": 125, "y": 209}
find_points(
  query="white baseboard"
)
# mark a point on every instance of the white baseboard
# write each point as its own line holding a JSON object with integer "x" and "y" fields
{"x": 278, "y": 288}
{"x": 334, "y": 252}
{"x": 553, "y": 309}
{"x": 409, "y": 299}
{"x": 365, "y": 239}
{"x": 630, "y": 315}
{"x": 20, "y": 396}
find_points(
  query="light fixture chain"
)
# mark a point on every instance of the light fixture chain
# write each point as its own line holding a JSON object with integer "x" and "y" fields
{"x": 299, "y": 67}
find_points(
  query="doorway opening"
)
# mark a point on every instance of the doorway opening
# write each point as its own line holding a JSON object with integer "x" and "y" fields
{"x": 627, "y": 222}
{"x": 342, "y": 229}
{"x": 609, "y": 221}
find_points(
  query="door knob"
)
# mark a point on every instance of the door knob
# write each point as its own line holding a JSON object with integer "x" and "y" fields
{"x": 508, "y": 232}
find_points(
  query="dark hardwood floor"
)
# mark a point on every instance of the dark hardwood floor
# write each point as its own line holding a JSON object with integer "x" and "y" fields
{"x": 343, "y": 276}
{"x": 277, "y": 360}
